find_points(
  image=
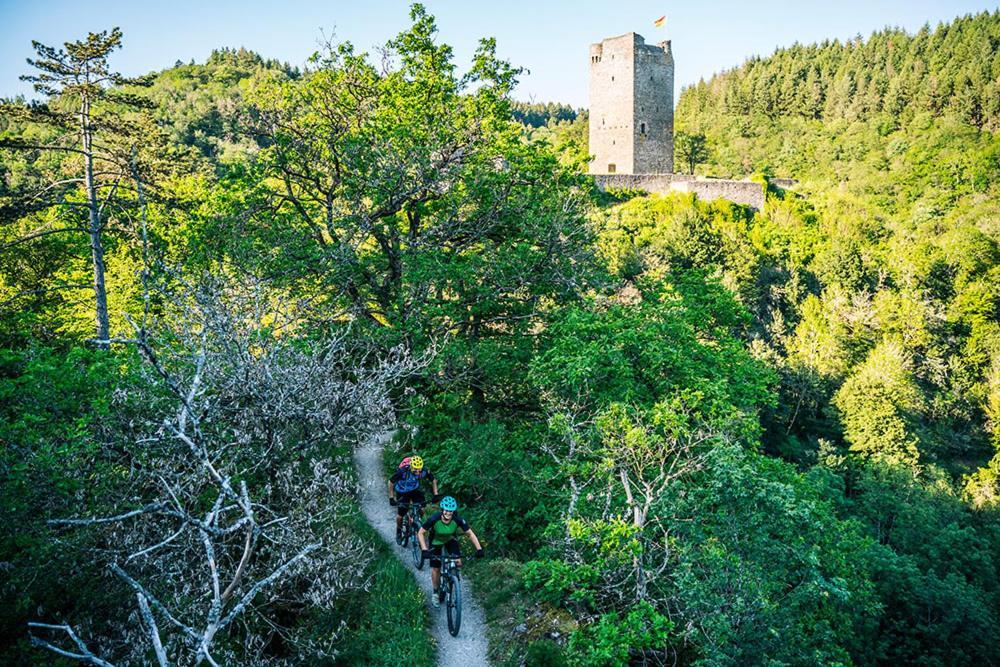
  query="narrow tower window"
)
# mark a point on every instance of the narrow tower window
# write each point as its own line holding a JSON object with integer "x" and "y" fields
{"x": 642, "y": 128}
{"x": 611, "y": 168}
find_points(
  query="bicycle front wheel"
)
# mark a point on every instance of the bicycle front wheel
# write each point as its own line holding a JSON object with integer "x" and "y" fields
{"x": 454, "y": 601}
{"x": 416, "y": 553}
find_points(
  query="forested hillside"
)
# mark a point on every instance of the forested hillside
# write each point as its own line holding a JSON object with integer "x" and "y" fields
{"x": 895, "y": 219}
{"x": 686, "y": 432}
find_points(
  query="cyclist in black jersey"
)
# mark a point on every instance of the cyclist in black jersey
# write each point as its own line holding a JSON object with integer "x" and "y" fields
{"x": 441, "y": 531}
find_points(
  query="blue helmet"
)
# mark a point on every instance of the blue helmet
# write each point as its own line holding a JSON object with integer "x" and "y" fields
{"x": 449, "y": 504}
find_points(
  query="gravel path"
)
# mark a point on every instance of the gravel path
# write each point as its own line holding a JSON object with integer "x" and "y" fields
{"x": 468, "y": 649}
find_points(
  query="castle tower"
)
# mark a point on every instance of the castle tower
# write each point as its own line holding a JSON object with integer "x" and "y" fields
{"x": 631, "y": 106}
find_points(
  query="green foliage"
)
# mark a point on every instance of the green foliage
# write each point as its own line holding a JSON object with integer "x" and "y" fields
{"x": 197, "y": 103}
{"x": 615, "y": 640}
{"x": 794, "y": 578}
{"x": 690, "y": 149}
{"x": 936, "y": 571}
{"x": 883, "y": 243}
{"x": 540, "y": 115}
{"x": 890, "y": 78}
{"x": 388, "y": 621}
{"x": 544, "y": 653}
{"x": 55, "y": 414}
{"x": 570, "y": 139}
{"x": 653, "y": 235}
{"x": 849, "y": 327}
{"x": 879, "y": 406}
{"x": 677, "y": 334}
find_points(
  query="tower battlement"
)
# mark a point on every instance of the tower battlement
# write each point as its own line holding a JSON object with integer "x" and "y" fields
{"x": 631, "y": 106}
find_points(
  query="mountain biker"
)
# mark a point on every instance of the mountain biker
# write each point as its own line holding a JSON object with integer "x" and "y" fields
{"x": 441, "y": 531}
{"x": 405, "y": 485}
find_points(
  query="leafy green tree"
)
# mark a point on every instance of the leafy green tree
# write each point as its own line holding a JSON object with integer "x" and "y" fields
{"x": 425, "y": 182}
{"x": 879, "y": 406}
{"x": 691, "y": 149}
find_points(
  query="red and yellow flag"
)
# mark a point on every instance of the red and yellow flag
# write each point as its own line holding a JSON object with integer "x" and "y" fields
{"x": 660, "y": 22}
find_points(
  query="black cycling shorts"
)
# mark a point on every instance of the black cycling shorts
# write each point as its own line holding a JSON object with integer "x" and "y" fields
{"x": 409, "y": 496}
{"x": 451, "y": 545}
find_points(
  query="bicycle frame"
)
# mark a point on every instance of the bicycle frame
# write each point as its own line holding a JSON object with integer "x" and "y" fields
{"x": 411, "y": 524}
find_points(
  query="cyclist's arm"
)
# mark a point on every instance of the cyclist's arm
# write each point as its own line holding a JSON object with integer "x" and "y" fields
{"x": 475, "y": 540}
{"x": 425, "y": 528}
{"x": 396, "y": 476}
{"x": 432, "y": 480}
{"x": 466, "y": 529}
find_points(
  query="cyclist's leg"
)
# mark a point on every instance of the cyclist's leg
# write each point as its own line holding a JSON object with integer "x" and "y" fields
{"x": 435, "y": 573}
{"x": 453, "y": 549}
{"x": 401, "y": 511}
{"x": 415, "y": 497}
{"x": 435, "y": 566}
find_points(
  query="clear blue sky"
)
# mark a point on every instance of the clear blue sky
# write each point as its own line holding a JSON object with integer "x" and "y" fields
{"x": 550, "y": 38}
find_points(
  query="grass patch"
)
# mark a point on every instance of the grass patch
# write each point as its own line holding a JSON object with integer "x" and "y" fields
{"x": 390, "y": 623}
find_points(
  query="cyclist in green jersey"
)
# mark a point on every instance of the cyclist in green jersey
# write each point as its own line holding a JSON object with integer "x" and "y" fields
{"x": 441, "y": 531}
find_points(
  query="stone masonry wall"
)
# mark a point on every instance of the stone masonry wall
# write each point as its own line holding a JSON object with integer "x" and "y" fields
{"x": 653, "y": 108}
{"x": 748, "y": 193}
{"x": 658, "y": 183}
{"x": 611, "y": 101}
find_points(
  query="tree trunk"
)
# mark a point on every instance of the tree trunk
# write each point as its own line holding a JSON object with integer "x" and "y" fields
{"x": 94, "y": 227}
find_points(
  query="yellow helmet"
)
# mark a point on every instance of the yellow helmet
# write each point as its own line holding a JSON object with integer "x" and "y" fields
{"x": 416, "y": 463}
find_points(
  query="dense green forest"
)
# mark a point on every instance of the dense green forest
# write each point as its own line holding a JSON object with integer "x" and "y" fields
{"x": 687, "y": 432}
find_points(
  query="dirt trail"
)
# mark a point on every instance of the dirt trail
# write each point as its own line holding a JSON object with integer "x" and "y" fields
{"x": 468, "y": 649}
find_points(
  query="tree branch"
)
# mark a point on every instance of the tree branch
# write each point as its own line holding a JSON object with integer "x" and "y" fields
{"x": 246, "y": 599}
{"x": 138, "y": 588}
{"x": 36, "y": 235}
{"x": 85, "y": 654}
{"x": 154, "y": 632}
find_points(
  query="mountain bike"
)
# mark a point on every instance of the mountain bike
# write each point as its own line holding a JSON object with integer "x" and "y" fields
{"x": 411, "y": 524}
{"x": 451, "y": 591}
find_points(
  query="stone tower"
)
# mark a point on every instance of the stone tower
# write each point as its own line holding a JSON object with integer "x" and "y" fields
{"x": 631, "y": 106}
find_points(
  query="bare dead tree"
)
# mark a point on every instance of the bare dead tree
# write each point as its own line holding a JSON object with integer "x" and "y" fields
{"x": 646, "y": 459}
{"x": 236, "y": 401}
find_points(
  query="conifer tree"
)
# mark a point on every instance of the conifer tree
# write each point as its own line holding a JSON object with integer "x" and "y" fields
{"x": 85, "y": 111}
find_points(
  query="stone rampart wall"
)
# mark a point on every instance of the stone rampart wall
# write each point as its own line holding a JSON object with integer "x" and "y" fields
{"x": 747, "y": 193}
{"x": 659, "y": 183}
{"x": 741, "y": 192}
